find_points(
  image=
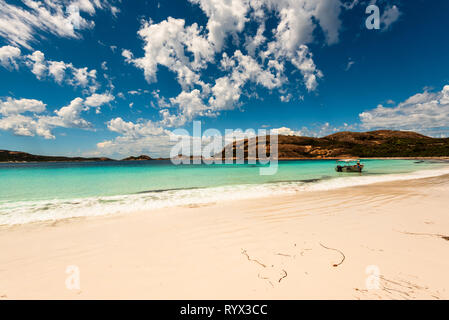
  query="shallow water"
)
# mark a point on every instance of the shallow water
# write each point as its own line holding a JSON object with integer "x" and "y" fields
{"x": 45, "y": 191}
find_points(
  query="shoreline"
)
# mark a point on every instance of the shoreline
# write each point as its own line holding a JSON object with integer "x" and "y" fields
{"x": 282, "y": 159}
{"x": 272, "y": 248}
{"x": 41, "y": 210}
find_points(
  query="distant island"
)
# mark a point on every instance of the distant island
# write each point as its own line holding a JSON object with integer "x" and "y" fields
{"x": 373, "y": 144}
{"x": 139, "y": 158}
{"x": 17, "y": 156}
{"x": 143, "y": 157}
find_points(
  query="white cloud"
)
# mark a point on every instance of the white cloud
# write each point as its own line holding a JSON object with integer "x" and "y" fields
{"x": 20, "y": 25}
{"x": 190, "y": 105}
{"x": 426, "y": 112}
{"x": 128, "y": 55}
{"x": 247, "y": 68}
{"x": 25, "y": 126}
{"x": 8, "y": 56}
{"x": 12, "y": 106}
{"x": 96, "y": 100}
{"x": 304, "y": 62}
{"x": 327, "y": 12}
{"x": 36, "y": 62}
{"x": 225, "y": 17}
{"x": 12, "y": 118}
{"x": 36, "y": 123}
{"x": 225, "y": 93}
{"x": 70, "y": 115}
{"x": 135, "y": 130}
{"x": 227, "y": 90}
{"x": 57, "y": 69}
{"x": 42, "y": 68}
{"x": 84, "y": 78}
{"x": 253, "y": 43}
{"x": 188, "y": 50}
{"x": 390, "y": 16}
{"x": 167, "y": 44}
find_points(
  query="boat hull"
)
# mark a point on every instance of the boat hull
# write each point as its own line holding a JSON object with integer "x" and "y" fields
{"x": 354, "y": 168}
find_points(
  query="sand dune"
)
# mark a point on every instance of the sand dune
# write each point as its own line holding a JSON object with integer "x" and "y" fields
{"x": 380, "y": 241}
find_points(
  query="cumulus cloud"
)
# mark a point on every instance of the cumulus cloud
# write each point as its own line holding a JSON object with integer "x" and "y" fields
{"x": 225, "y": 18}
{"x": 304, "y": 62}
{"x": 36, "y": 62}
{"x": 167, "y": 43}
{"x": 190, "y": 105}
{"x": 12, "y": 106}
{"x": 260, "y": 59}
{"x": 83, "y": 77}
{"x": 21, "y": 25}
{"x": 427, "y": 112}
{"x": 97, "y": 100}
{"x": 70, "y": 115}
{"x": 12, "y": 117}
{"x": 9, "y": 56}
{"x": 189, "y": 50}
{"x": 25, "y": 126}
{"x": 59, "y": 71}
{"x": 29, "y": 117}
{"x": 135, "y": 130}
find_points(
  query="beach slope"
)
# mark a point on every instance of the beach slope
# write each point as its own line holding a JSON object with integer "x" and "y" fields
{"x": 381, "y": 241}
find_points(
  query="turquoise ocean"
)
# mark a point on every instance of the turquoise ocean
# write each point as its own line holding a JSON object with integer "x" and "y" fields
{"x": 47, "y": 191}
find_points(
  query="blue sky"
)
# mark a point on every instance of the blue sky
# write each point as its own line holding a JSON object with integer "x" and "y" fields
{"x": 114, "y": 78}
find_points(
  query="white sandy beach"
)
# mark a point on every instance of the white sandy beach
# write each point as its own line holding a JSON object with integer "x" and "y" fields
{"x": 313, "y": 245}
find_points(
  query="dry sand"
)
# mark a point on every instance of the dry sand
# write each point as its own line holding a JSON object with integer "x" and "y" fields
{"x": 315, "y": 245}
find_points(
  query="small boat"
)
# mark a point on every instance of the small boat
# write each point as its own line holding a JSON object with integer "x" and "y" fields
{"x": 349, "y": 165}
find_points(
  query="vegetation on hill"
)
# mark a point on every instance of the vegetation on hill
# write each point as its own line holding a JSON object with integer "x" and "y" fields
{"x": 16, "y": 156}
{"x": 382, "y": 143}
